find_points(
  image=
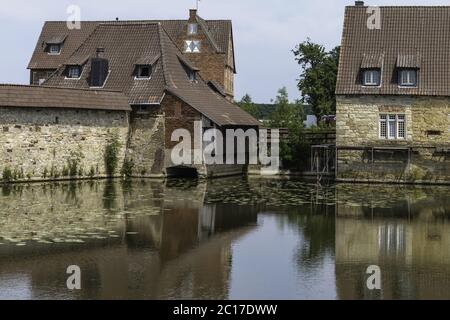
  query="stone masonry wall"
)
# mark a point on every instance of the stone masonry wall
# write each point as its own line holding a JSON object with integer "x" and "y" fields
{"x": 38, "y": 144}
{"x": 427, "y": 134}
{"x": 178, "y": 115}
{"x": 146, "y": 144}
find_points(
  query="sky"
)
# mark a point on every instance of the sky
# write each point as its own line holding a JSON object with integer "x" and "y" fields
{"x": 265, "y": 32}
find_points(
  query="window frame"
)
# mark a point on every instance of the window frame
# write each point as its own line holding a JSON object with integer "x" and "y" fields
{"x": 192, "y": 29}
{"x": 371, "y": 84}
{"x": 385, "y": 129}
{"x": 192, "y": 46}
{"x": 50, "y": 46}
{"x": 138, "y": 75}
{"x": 401, "y": 72}
{"x": 69, "y": 68}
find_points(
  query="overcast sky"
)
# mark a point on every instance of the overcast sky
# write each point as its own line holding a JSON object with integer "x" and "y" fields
{"x": 265, "y": 32}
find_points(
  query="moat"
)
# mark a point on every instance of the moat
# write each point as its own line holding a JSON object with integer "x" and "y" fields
{"x": 230, "y": 238}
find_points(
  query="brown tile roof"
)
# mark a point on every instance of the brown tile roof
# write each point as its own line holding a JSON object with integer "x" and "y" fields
{"x": 50, "y": 97}
{"x": 125, "y": 45}
{"x": 410, "y": 36}
{"x": 217, "y": 31}
{"x": 74, "y": 38}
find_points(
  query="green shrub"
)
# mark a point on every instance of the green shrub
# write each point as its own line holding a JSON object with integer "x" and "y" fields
{"x": 92, "y": 172}
{"x": 45, "y": 174}
{"x": 7, "y": 175}
{"x": 112, "y": 155}
{"x": 65, "y": 171}
{"x": 127, "y": 169}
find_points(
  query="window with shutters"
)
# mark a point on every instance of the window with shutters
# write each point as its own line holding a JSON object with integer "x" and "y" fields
{"x": 392, "y": 126}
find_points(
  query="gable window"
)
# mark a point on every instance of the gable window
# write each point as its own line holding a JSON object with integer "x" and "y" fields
{"x": 408, "y": 78}
{"x": 372, "y": 77}
{"x": 192, "y": 28}
{"x": 392, "y": 126}
{"x": 144, "y": 72}
{"x": 54, "y": 49}
{"x": 192, "y": 46}
{"x": 74, "y": 72}
{"x": 192, "y": 75}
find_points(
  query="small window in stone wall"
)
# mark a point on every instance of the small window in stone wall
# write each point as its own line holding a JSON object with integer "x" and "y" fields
{"x": 5, "y": 129}
{"x": 178, "y": 110}
{"x": 392, "y": 126}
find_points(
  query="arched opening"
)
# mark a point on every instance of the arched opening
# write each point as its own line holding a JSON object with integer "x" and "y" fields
{"x": 182, "y": 172}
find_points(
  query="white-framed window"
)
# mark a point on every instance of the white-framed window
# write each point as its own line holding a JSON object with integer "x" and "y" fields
{"x": 192, "y": 46}
{"x": 372, "y": 77}
{"x": 54, "y": 49}
{"x": 74, "y": 72}
{"x": 392, "y": 126}
{"x": 144, "y": 72}
{"x": 192, "y": 28}
{"x": 408, "y": 78}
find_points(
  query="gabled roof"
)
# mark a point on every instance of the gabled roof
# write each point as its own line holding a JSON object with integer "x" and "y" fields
{"x": 410, "y": 37}
{"x": 218, "y": 33}
{"x": 50, "y": 97}
{"x": 125, "y": 45}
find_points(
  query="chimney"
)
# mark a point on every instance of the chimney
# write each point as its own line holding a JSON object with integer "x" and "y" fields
{"x": 100, "y": 52}
{"x": 359, "y": 3}
{"x": 99, "y": 69}
{"x": 192, "y": 14}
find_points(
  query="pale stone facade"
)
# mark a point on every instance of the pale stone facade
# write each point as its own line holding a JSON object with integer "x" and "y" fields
{"x": 38, "y": 143}
{"x": 426, "y": 143}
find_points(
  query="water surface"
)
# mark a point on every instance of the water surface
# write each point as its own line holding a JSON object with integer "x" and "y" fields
{"x": 223, "y": 239}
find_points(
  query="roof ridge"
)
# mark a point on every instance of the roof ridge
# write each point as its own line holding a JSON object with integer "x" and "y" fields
{"x": 133, "y": 23}
{"x": 56, "y": 87}
{"x": 163, "y": 54}
{"x": 398, "y": 6}
{"x": 205, "y": 28}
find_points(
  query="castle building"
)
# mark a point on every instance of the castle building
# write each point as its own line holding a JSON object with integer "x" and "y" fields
{"x": 173, "y": 74}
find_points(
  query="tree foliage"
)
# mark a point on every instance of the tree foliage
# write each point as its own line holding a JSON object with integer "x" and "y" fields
{"x": 247, "y": 105}
{"x": 317, "y": 81}
{"x": 294, "y": 149}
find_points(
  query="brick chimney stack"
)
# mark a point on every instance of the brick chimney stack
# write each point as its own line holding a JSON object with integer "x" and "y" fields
{"x": 192, "y": 14}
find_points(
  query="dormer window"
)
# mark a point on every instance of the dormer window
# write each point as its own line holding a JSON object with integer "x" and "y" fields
{"x": 54, "y": 44}
{"x": 143, "y": 72}
{"x": 407, "y": 67}
{"x": 407, "y": 78}
{"x": 372, "y": 77}
{"x": 192, "y": 75}
{"x": 192, "y": 46}
{"x": 192, "y": 28}
{"x": 54, "y": 49}
{"x": 73, "y": 72}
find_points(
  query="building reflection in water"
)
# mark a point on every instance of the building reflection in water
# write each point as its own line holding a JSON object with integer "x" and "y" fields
{"x": 180, "y": 249}
{"x": 175, "y": 239}
{"x": 409, "y": 239}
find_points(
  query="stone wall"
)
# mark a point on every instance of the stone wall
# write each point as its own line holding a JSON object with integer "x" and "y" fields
{"x": 179, "y": 115}
{"x": 38, "y": 144}
{"x": 425, "y": 158}
{"x": 146, "y": 144}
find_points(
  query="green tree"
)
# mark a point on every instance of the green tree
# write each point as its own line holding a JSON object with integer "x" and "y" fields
{"x": 294, "y": 151}
{"x": 317, "y": 81}
{"x": 247, "y": 105}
